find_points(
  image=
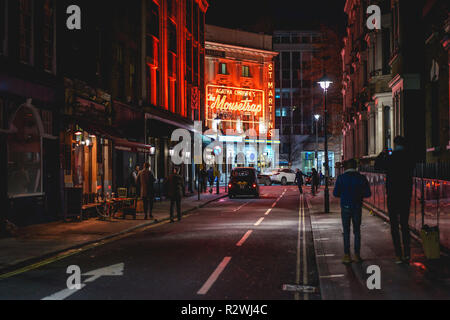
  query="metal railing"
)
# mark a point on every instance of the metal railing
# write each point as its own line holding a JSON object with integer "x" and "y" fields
{"x": 430, "y": 203}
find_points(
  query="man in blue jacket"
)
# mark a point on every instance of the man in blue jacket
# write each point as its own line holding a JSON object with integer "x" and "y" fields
{"x": 352, "y": 187}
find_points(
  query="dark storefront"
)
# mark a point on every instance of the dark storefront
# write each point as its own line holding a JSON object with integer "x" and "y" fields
{"x": 30, "y": 155}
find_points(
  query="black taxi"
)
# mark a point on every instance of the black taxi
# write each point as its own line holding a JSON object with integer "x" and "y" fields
{"x": 243, "y": 182}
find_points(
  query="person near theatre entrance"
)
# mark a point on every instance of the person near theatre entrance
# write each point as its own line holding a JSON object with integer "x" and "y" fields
{"x": 146, "y": 180}
{"x": 352, "y": 187}
{"x": 175, "y": 187}
{"x": 399, "y": 168}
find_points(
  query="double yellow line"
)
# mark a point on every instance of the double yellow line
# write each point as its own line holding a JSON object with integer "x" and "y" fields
{"x": 301, "y": 242}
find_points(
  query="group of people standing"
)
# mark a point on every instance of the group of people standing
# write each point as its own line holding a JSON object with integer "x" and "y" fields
{"x": 352, "y": 187}
{"x": 143, "y": 182}
{"x": 316, "y": 179}
{"x": 207, "y": 177}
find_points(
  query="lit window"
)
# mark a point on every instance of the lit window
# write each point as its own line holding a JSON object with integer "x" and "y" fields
{"x": 246, "y": 71}
{"x": 223, "y": 68}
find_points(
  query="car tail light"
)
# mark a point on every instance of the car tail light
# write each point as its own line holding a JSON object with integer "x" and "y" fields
{"x": 254, "y": 185}
{"x": 230, "y": 185}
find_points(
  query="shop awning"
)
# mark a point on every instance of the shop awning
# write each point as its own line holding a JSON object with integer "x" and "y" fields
{"x": 120, "y": 143}
{"x": 130, "y": 146}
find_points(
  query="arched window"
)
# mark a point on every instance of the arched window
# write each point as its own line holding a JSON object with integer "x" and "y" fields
{"x": 25, "y": 153}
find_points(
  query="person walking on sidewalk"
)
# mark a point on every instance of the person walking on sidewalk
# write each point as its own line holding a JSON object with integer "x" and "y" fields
{"x": 351, "y": 187}
{"x": 299, "y": 180}
{"x": 211, "y": 179}
{"x": 175, "y": 186}
{"x": 315, "y": 180}
{"x": 146, "y": 180}
{"x": 399, "y": 168}
{"x": 203, "y": 180}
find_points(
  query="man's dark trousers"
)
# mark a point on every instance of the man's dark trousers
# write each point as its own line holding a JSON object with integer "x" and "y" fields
{"x": 399, "y": 215}
{"x": 177, "y": 202}
{"x": 352, "y": 216}
{"x": 148, "y": 205}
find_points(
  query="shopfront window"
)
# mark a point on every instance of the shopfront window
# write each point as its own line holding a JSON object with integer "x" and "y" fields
{"x": 24, "y": 155}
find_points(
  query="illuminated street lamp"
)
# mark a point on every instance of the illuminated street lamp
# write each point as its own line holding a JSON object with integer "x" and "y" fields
{"x": 325, "y": 83}
{"x": 317, "y": 117}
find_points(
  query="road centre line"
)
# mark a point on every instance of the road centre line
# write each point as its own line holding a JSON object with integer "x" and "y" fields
{"x": 259, "y": 221}
{"x": 235, "y": 210}
{"x": 244, "y": 238}
{"x": 268, "y": 212}
{"x": 214, "y": 276}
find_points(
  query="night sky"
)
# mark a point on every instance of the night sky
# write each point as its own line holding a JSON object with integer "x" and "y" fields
{"x": 269, "y": 15}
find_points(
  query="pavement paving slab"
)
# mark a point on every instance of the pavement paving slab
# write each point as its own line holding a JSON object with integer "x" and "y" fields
{"x": 422, "y": 279}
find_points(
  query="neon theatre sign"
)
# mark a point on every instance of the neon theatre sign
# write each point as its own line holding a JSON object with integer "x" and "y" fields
{"x": 234, "y": 100}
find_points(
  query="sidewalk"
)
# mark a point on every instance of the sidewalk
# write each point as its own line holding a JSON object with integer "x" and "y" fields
{"x": 421, "y": 280}
{"x": 40, "y": 241}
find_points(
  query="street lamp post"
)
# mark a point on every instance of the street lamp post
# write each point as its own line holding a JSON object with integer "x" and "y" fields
{"x": 317, "y": 117}
{"x": 325, "y": 83}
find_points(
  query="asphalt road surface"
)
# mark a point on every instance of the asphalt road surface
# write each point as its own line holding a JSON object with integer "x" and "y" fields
{"x": 233, "y": 249}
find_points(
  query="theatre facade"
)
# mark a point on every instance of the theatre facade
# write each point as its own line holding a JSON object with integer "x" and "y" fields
{"x": 240, "y": 95}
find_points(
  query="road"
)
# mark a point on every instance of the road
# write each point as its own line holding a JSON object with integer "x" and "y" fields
{"x": 233, "y": 249}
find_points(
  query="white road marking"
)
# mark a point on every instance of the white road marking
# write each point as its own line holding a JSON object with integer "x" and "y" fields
{"x": 268, "y": 212}
{"x": 322, "y": 239}
{"x": 244, "y": 238}
{"x": 325, "y": 255}
{"x": 333, "y": 276}
{"x": 236, "y": 210}
{"x": 114, "y": 270}
{"x": 259, "y": 221}
{"x": 63, "y": 294}
{"x": 214, "y": 276}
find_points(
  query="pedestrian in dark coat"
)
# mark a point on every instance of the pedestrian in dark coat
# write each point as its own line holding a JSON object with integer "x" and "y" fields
{"x": 352, "y": 187}
{"x": 203, "y": 179}
{"x": 315, "y": 180}
{"x": 146, "y": 180}
{"x": 211, "y": 179}
{"x": 299, "y": 180}
{"x": 175, "y": 187}
{"x": 399, "y": 168}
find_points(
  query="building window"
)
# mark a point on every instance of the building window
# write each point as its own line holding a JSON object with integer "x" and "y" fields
{"x": 153, "y": 18}
{"x": 223, "y": 68}
{"x": 24, "y": 155}
{"x": 47, "y": 121}
{"x": 49, "y": 34}
{"x": 3, "y": 23}
{"x": 171, "y": 8}
{"x": 25, "y": 31}
{"x": 189, "y": 15}
{"x": 246, "y": 71}
{"x": 172, "y": 37}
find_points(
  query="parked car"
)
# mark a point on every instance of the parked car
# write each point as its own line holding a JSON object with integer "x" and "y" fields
{"x": 283, "y": 176}
{"x": 265, "y": 178}
{"x": 243, "y": 181}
